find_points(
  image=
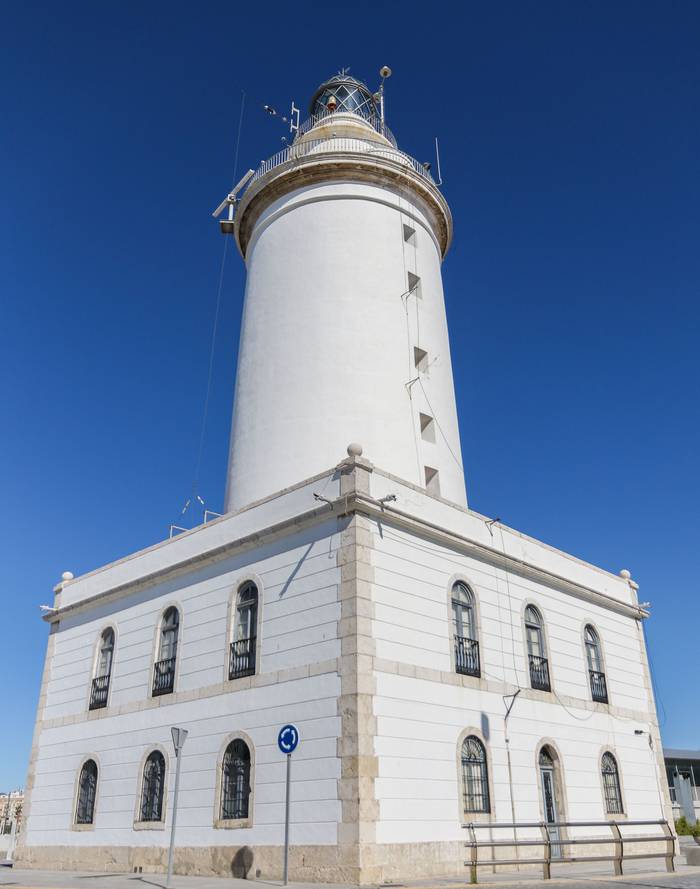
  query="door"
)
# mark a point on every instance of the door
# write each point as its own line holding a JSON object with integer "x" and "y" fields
{"x": 549, "y": 797}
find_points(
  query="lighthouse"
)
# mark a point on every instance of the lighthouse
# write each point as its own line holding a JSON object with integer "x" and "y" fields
{"x": 446, "y": 678}
{"x": 344, "y": 335}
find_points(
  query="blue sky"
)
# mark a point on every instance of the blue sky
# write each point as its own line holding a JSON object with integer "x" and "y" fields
{"x": 569, "y": 138}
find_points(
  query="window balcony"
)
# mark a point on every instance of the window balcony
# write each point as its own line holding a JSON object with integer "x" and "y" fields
{"x": 164, "y": 677}
{"x": 99, "y": 692}
{"x": 599, "y": 687}
{"x": 467, "y": 656}
{"x": 539, "y": 673}
{"x": 242, "y": 658}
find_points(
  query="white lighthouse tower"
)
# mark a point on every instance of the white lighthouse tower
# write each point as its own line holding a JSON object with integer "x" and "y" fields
{"x": 344, "y": 335}
{"x": 440, "y": 667}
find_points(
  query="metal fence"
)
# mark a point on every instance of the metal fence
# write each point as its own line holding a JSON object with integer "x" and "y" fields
{"x": 553, "y": 838}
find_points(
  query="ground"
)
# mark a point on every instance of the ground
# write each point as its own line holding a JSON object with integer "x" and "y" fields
{"x": 566, "y": 877}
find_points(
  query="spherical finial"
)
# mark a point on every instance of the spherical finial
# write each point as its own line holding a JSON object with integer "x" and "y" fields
{"x": 67, "y": 575}
{"x": 354, "y": 449}
{"x": 624, "y": 574}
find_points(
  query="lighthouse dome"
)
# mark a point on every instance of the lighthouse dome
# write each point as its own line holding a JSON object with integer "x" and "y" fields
{"x": 343, "y": 93}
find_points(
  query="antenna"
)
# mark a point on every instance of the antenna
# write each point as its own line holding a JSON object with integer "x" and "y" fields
{"x": 230, "y": 201}
{"x": 437, "y": 157}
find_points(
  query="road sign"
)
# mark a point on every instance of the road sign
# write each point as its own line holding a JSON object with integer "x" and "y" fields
{"x": 288, "y": 739}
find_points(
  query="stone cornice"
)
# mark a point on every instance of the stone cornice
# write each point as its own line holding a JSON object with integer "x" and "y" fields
{"x": 345, "y": 506}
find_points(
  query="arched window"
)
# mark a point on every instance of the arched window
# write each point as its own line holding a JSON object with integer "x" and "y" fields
{"x": 164, "y": 670}
{"x": 103, "y": 670}
{"x": 245, "y": 623}
{"x": 464, "y": 630}
{"x": 235, "y": 781}
{"x": 536, "y": 651}
{"x": 152, "y": 787}
{"x": 87, "y": 790}
{"x": 611, "y": 784}
{"x": 596, "y": 675}
{"x": 475, "y": 776}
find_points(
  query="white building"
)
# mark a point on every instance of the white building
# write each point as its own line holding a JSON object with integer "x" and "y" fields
{"x": 356, "y": 596}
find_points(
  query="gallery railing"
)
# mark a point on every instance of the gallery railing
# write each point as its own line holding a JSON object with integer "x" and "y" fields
{"x": 620, "y": 852}
{"x": 164, "y": 676}
{"x": 242, "y": 658}
{"x": 539, "y": 673}
{"x": 467, "y": 656}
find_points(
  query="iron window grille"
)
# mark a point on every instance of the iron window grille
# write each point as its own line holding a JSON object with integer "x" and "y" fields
{"x": 164, "y": 677}
{"x": 539, "y": 673}
{"x": 99, "y": 692}
{"x": 235, "y": 778}
{"x": 475, "y": 776}
{"x": 153, "y": 785}
{"x": 611, "y": 785}
{"x": 467, "y": 656}
{"x": 87, "y": 791}
{"x": 242, "y": 658}
{"x": 599, "y": 687}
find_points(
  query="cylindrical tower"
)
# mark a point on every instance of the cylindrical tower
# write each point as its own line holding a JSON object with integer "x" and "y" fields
{"x": 344, "y": 335}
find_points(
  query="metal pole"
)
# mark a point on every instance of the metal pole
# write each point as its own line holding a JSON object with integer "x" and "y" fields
{"x": 286, "y": 821}
{"x": 178, "y": 756}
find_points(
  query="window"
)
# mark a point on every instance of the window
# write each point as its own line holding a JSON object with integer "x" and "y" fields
{"x": 245, "y": 622}
{"x": 596, "y": 674}
{"x": 409, "y": 234}
{"x": 87, "y": 791}
{"x": 432, "y": 481}
{"x": 464, "y": 630}
{"x": 475, "y": 776}
{"x": 427, "y": 427}
{"x": 235, "y": 781}
{"x": 164, "y": 668}
{"x": 100, "y": 683}
{"x": 611, "y": 785}
{"x": 536, "y": 651}
{"x": 420, "y": 359}
{"x": 152, "y": 787}
{"x": 414, "y": 285}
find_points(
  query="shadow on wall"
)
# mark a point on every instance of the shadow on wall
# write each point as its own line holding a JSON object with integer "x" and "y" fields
{"x": 242, "y": 863}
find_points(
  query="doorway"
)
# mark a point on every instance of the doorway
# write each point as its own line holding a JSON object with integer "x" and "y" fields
{"x": 550, "y": 796}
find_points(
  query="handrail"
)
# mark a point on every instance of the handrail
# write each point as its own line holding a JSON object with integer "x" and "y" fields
{"x": 372, "y": 119}
{"x": 300, "y": 151}
{"x": 561, "y": 842}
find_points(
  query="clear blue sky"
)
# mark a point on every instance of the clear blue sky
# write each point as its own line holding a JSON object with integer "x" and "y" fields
{"x": 570, "y": 138}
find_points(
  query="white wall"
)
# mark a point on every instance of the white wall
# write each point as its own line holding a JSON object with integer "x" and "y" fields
{"x": 327, "y": 342}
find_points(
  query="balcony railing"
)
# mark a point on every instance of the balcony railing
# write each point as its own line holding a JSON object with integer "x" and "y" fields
{"x": 318, "y": 149}
{"x": 99, "y": 692}
{"x": 539, "y": 673}
{"x": 374, "y": 120}
{"x": 467, "y": 656}
{"x": 164, "y": 677}
{"x": 599, "y": 687}
{"x": 242, "y": 658}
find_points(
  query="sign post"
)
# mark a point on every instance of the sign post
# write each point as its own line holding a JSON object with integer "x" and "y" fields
{"x": 179, "y": 736}
{"x": 287, "y": 741}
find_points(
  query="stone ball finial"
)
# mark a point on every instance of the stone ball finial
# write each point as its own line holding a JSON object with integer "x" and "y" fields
{"x": 67, "y": 575}
{"x": 624, "y": 574}
{"x": 354, "y": 449}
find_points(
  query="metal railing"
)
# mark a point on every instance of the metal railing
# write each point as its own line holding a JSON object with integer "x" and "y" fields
{"x": 467, "y": 656}
{"x": 539, "y": 673}
{"x": 298, "y": 152}
{"x": 164, "y": 676}
{"x": 242, "y": 658}
{"x": 374, "y": 120}
{"x": 599, "y": 687}
{"x": 99, "y": 692}
{"x": 560, "y": 843}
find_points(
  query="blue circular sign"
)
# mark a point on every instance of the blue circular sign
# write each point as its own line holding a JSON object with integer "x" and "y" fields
{"x": 288, "y": 739}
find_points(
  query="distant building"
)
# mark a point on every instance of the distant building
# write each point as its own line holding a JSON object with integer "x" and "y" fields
{"x": 440, "y": 666}
{"x": 11, "y": 806}
{"x": 687, "y": 763}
